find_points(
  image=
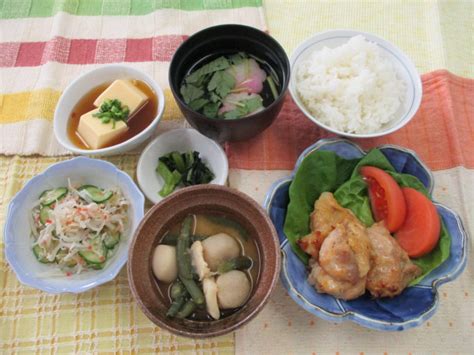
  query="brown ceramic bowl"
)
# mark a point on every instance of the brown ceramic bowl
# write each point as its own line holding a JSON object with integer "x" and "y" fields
{"x": 202, "y": 199}
{"x": 213, "y": 42}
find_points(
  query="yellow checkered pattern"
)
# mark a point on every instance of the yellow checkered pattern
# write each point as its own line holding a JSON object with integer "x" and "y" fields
{"x": 105, "y": 319}
{"x": 434, "y": 34}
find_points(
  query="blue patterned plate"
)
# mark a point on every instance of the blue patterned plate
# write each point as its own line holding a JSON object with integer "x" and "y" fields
{"x": 410, "y": 309}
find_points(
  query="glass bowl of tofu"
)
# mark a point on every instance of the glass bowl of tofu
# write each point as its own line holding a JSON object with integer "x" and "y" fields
{"x": 109, "y": 110}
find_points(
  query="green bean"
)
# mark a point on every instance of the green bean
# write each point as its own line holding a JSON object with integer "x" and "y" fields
{"x": 238, "y": 263}
{"x": 194, "y": 290}
{"x": 172, "y": 239}
{"x": 272, "y": 86}
{"x": 169, "y": 239}
{"x": 186, "y": 310}
{"x": 177, "y": 290}
{"x": 185, "y": 270}
{"x": 176, "y": 305}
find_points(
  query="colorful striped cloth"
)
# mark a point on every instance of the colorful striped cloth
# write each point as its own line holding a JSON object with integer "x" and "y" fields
{"x": 47, "y": 44}
{"x": 442, "y": 131}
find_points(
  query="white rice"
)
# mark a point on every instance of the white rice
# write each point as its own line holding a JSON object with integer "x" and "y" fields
{"x": 352, "y": 88}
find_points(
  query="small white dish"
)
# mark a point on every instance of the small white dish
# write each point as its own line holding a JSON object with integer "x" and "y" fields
{"x": 405, "y": 68}
{"x": 18, "y": 250}
{"x": 86, "y": 82}
{"x": 181, "y": 140}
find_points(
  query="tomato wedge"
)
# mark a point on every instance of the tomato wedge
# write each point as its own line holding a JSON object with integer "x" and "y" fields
{"x": 386, "y": 197}
{"x": 419, "y": 234}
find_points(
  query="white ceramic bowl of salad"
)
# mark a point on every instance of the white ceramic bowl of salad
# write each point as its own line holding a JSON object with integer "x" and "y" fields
{"x": 24, "y": 227}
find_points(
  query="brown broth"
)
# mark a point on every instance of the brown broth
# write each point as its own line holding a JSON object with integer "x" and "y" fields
{"x": 136, "y": 124}
{"x": 207, "y": 225}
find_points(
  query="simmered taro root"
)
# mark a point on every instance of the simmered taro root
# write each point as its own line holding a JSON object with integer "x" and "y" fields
{"x": 164, "y": 263}
{"x": 219, "y": 248}
{"x": 233, "y": 289}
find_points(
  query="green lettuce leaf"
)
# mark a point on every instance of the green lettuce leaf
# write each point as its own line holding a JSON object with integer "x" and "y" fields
{"x": 326, "y": 171}
{"x": 320, "y": 171}
{"x": 353, "y": 193}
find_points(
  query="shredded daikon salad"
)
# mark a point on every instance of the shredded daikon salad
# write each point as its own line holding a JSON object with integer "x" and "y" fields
{"x": 78, "y": 228}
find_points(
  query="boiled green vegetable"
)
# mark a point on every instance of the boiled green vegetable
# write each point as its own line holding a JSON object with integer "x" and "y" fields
{"x": 238, "y": 263}
{"x": 185, "y": 269}
{"x": 182, "y": 168}
{"x": 172, "y": 239}
{"x": 171, "y": 178}
{"x": 188, "y": 308}
{"x": 194, "y": 290}
{"x": 176, "y": 305}
{"x": 177, "y": 290}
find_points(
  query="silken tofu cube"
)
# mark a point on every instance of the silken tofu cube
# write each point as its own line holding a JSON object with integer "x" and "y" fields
{"x": 126, "y": 92}
{"x": 97, "y": 134}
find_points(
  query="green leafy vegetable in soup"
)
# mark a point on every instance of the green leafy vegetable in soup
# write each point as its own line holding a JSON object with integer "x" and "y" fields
{"x": 230, "y": 87}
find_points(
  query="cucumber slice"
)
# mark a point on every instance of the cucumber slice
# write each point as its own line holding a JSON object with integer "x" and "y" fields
{"x": 97, "y": 195}
{"x": 45, "y": 214}
{"x": 111, "y": 240}
{"x": 97, "y": 266}
{"x": 40, "y": 255}
{"x": 91, "y": 258}
{"x": 60, "y": 256}
{"x": 49, "y": 197}
{"x": 97, "y": 254}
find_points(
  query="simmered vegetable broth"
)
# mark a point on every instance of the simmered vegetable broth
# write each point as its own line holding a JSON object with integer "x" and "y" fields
{"x": 204, "y": 227}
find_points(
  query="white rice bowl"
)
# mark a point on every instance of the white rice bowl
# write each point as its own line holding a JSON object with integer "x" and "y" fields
{"x": 353, "y": 88}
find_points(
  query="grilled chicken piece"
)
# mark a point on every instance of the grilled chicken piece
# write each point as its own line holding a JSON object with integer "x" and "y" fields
{"x": 344, "y": 261}
{"x": 326, "y": 215}
{"x": 392, "y": 269}
{"x": 345, "y": 290}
